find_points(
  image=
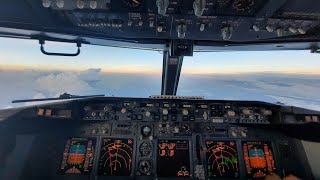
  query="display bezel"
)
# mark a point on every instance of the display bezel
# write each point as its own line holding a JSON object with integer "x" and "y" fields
{"x": 271, "y": 146}
{"x": 238, "y": 158}
{"x": 115, "y": 138}
{"x": 59, "y": 171}
{"x": 189, "y": 140}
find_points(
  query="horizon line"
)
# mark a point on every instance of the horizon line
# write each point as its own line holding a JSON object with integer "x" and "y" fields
{"x": 134, "y": 70}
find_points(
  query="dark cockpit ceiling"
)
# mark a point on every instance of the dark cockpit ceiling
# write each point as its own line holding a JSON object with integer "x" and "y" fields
{"x": 201, "y": 25}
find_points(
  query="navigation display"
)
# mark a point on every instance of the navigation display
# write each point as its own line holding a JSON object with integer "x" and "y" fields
{"x": 78, "y": 156}
{"x": 116, "y": 157}
{"x": 222, "y": 159}
{"x": 258, "y": 158}
{"x": 173, "y": 158}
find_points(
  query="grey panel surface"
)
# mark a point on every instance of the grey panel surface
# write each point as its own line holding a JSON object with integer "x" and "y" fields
{"x": 312, "y": 150}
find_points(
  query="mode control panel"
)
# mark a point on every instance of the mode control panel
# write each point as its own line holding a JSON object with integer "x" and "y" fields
{"x": 171, "y": 111}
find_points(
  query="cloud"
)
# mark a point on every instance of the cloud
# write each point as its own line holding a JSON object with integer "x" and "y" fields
{"x": 91, "y": 76}
{"x": 54, "y": 84}
{"x": 296, "y": 90}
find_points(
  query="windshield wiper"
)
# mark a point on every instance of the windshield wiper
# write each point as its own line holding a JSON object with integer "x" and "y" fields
{"x": 61, "y": 97}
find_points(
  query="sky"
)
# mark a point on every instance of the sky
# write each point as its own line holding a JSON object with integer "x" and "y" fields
{"x": 25, "y": 54}
{"x": 290, "y": 77}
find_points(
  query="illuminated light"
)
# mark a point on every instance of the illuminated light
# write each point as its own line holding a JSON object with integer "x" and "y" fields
{"x": 48, "y": 112}
{"x": 315, "y": 118}
{"x": 46, "y": 3}
{"x": 40, "y": 112}
{"x": 307, "y": 118}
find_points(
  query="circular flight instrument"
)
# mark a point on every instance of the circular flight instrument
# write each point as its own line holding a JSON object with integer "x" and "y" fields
{"x": 144, "y": 167}
{"x": 146, "y": 131}
{"x": 243, "y": 5}
{"x": 133, "y": 4}
{"x": 145, "y": 149}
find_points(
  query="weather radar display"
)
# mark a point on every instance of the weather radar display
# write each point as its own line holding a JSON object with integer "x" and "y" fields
{"x": 222, "y": 159}
{"x": 116, "y": 157}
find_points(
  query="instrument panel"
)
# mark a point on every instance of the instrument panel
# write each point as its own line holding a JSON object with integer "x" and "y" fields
{"x": 148, "y": 138}
{"x": 173, "y": 158}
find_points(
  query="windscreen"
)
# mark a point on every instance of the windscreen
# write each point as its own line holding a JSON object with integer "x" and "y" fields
{"x": 288, "y": 77}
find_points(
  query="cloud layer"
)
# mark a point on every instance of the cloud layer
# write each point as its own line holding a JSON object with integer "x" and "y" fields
{"x": 297, "y": 90}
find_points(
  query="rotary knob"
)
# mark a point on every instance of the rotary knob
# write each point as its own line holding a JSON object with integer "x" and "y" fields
{"x": 46, "y": 3}
{"x": 144, "y": 167}
{"x": 165, "y": 112}
{"x": 185, "y": 112}
{"x": 181, "y": 30}
{"x": 302, "y": 30}
{"x": 266, "y": 112}
{"x": 87, "y": 108}
{"x": 243, "y": 134}
{"x": 199, "y": 6}
{"x": 60, "y": 3}
{"x": 159, "y": 28}
{"x": 101, "y": 114}
{"x": 162, "y": 6}
{"x": 252, "y": 117}
{"x": 95, "y": 131}
{"x": 234, "y": 134}
{"x": 104, "y": 131}
{"x": 280, "y": 32}
{"x": 176, "y": 129}
{"x": 80, "y": 4}
{"x": 202, "y": 27}
{"x": 205, "y": 115}
{"x": 256, "y": 28}
{"x": 93, "y": 4}
{"x": 148, "y": 114}
{"x": 146, "y": 131}
{"x": 247, "y": 111}
{"x": 226, "y": 32}
{"x": 293, "y": 30}
{"x": 107, "y": 108}
{"x": 269, "y": 28}
{"x": 123, "y": 110}
{"x": 231, "y": 113}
